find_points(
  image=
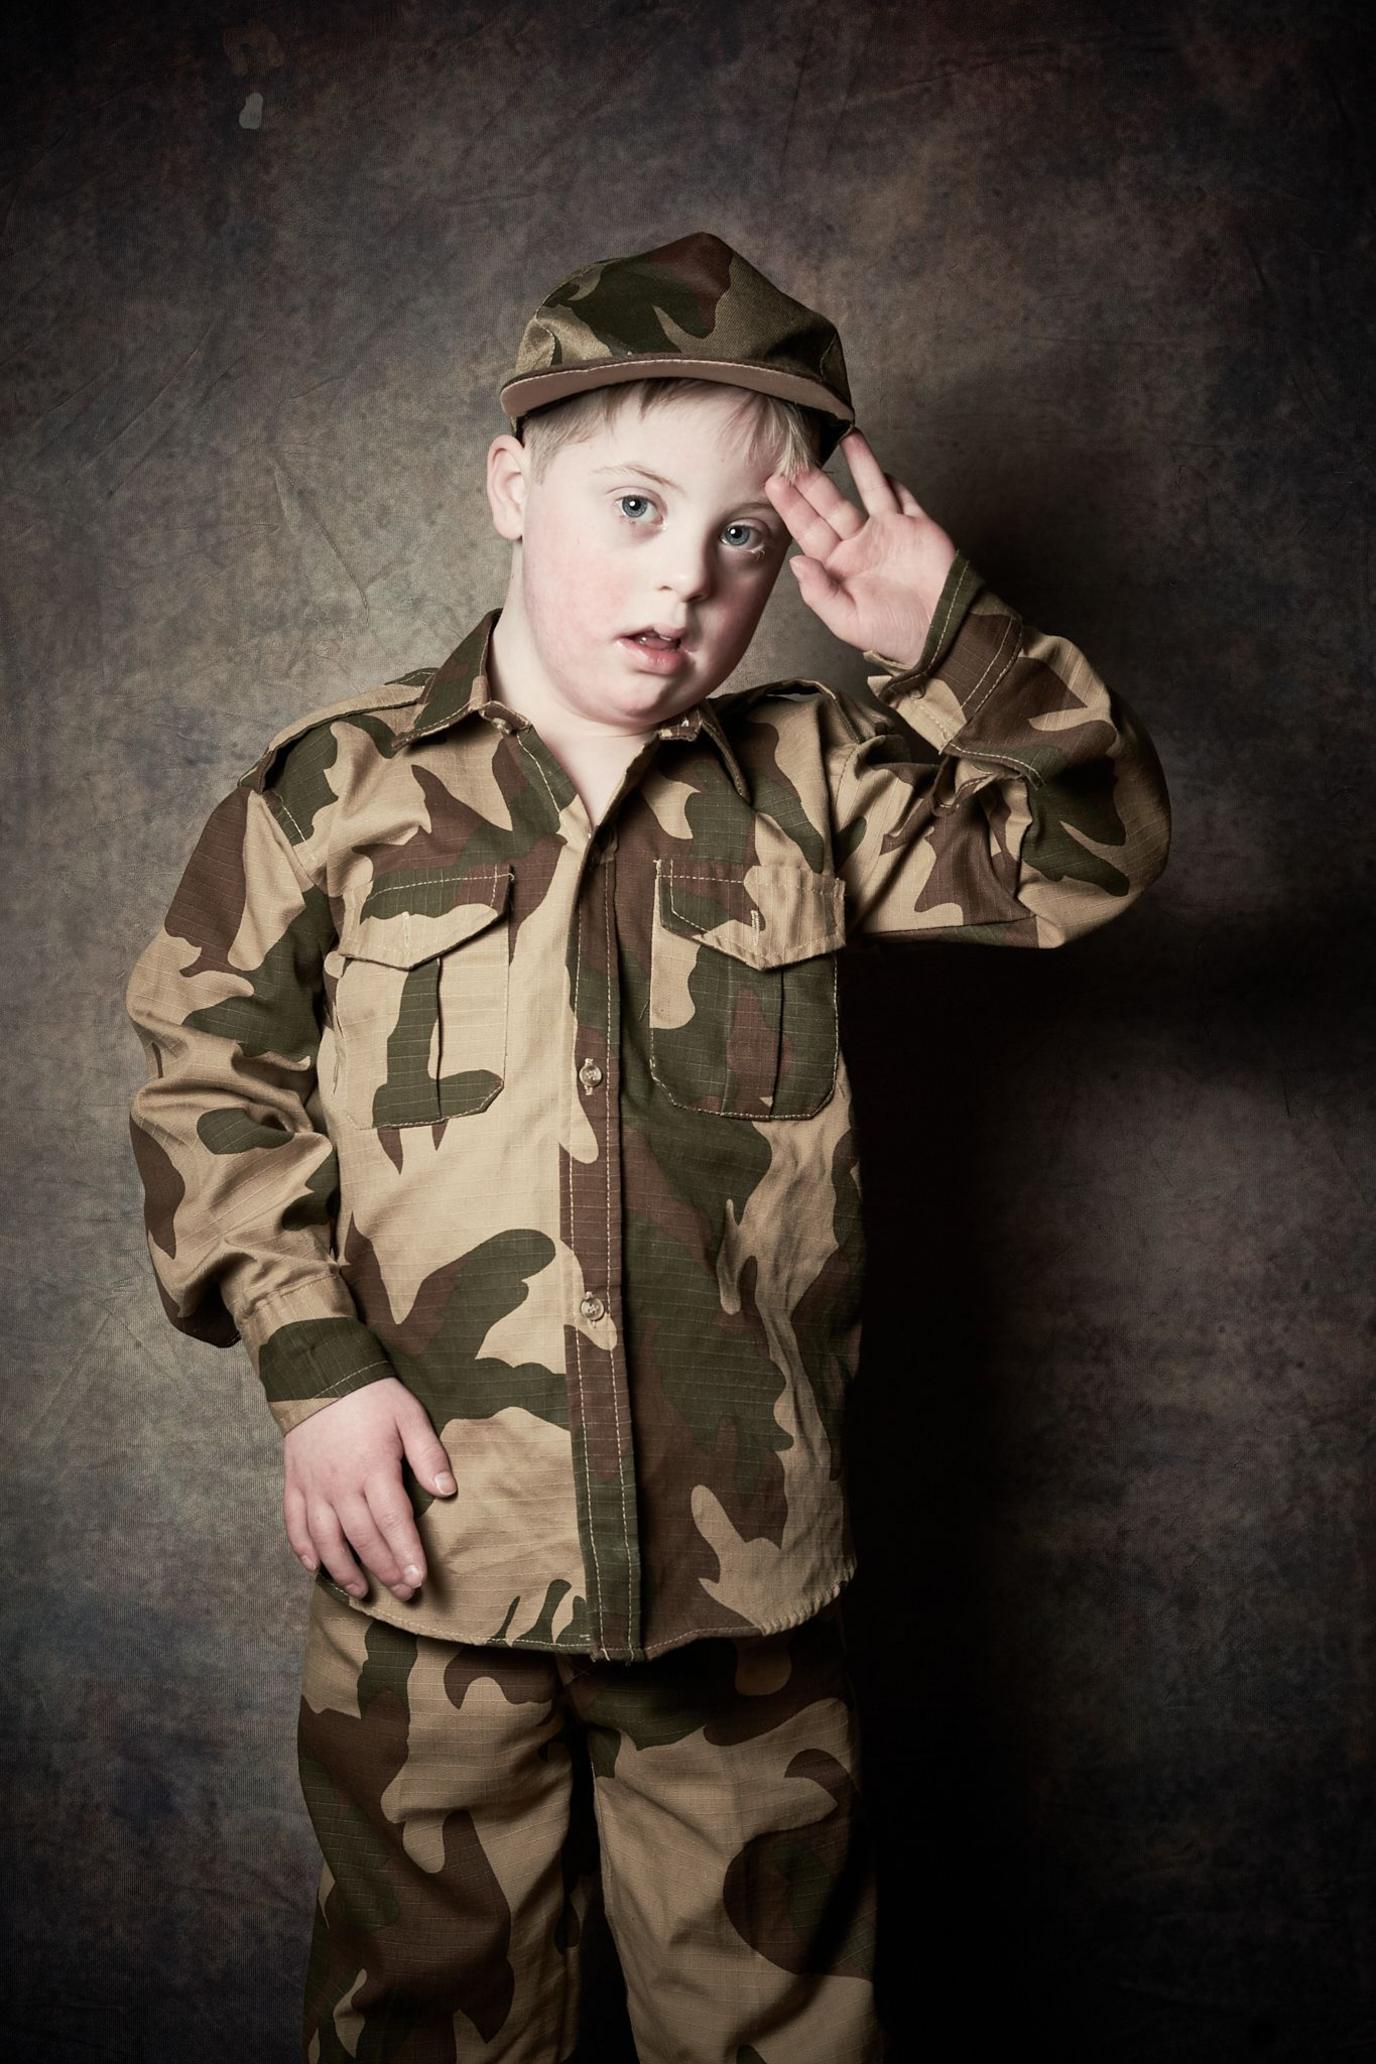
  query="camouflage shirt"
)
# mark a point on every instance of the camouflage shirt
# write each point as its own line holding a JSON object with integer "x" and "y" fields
{"x": 550, "y": 1119}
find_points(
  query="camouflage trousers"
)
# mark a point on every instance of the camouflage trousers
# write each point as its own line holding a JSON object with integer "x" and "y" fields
{"x": 449, "y": 1788}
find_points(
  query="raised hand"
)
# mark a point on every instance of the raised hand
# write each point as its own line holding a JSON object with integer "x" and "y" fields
{"x": 873, "y": 579}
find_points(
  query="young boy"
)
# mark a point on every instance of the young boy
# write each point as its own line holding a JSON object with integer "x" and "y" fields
{"x": 495, "y": 1101}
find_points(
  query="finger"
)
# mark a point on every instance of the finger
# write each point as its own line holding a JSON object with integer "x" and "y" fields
{"x": 334, "y": 1552}
{"x": 808, "y": 528}
{"x": 369, "y": 1545}
{"x": 298, "y": 1527}
{"x": 826, "y": 596}
{"x": 424, "y": 1450}
{"x": 396, "y": 1522}
{"x": 819, "y": 516}
{"x": 871, "y": 481}
{"x": 907, "y": 500}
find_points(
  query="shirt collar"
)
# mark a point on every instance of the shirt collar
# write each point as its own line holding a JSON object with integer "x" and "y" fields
{"x": 459, "y": 688}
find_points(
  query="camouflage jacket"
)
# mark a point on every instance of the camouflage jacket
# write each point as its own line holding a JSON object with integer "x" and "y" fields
{"x": 550, "y": 1120}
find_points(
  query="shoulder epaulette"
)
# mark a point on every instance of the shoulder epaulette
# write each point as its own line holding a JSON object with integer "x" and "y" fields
{"x": 406, "y": 688}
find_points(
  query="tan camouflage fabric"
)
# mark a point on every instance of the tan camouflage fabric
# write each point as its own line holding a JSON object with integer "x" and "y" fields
{"x": 465, "y": 1798}
{"x": 690, "y": 309}
{"x": 550, "y": 1119}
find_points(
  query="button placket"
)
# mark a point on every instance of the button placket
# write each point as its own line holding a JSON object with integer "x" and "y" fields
{"x": 590, "y": 1217}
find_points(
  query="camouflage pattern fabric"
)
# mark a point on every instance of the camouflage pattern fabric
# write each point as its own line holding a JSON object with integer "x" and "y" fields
{"x": 550, "y": 1119}
{"x": 690, "y": 309}
{"x": 449, "y": 1788}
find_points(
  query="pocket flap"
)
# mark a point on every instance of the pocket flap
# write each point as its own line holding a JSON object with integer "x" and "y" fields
{"x": 767, "y": 915}
{"x": 402, "y": 921}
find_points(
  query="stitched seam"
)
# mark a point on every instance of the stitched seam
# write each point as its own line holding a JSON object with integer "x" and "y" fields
{"x": 441, "y": 952}
{"x": 807, "y": 878}
{"x": 971, "y": 787}
{"x": 759, "y": 1117}
{"x": 280, "y": 1296}
{"x": 361, "y": 1370}
{"x": 752, "y": 363}
{"x": 419, "y": 881}
{"x": 553, "y": 799}
{"x": 283, "y": 841}
{"x": 497, "y": 898}
{"x": 729, "y": 1110}
{"x": 917, "y": 668}
{"x": 616, "y": 1402}
{"x": 578, "y": 1331}
{"x": 1023, "y": 766}
{"x": 284, "y": 807}
{"x": 944, "y": 622}
{"x": 847, "y": 770}
{"x": 764, "y": 1627}
{"x": 591, "y": 1659}
{"x": 1013, "y": 627}
{"x": 500, "y": 1070}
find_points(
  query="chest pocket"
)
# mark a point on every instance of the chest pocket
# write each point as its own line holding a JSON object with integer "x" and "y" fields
{"x": 743, "y": 1019}
{"x": 420, "y": 1002}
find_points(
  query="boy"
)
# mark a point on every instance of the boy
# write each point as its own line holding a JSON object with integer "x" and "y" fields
{"x": 495, "y": 1101}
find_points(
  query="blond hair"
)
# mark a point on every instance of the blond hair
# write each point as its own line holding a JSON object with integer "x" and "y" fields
{"x": 781, "y": 431}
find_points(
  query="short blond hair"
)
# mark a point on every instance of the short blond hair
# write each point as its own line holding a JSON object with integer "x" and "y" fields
{"x": 775, "y": 429}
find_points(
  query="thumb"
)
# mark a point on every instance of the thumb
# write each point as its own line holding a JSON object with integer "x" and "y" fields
{"x": 822, "y": 592}
{"x": 423, "y": 1449}
{"x": 817, "y": 583}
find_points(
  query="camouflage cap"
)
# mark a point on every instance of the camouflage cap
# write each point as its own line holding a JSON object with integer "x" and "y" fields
{"x": 692, "y": 309}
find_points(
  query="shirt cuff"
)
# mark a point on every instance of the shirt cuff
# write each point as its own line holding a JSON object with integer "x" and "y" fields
{"x": 309, "y": 1347}
{"x": 961, "y": 586}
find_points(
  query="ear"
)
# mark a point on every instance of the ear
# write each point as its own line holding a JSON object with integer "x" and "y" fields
{"x": 507, "y": 483}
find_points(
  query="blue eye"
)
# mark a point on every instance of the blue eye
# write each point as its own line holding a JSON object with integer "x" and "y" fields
{"x": 745, "y": 551}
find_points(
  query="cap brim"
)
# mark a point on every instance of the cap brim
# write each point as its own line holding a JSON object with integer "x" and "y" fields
{"x": 533, "y": 390}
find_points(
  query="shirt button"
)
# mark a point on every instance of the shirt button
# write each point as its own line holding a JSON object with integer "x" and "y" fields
{"x": 592, "y": 1306}
{"x": 589, "y": 1075}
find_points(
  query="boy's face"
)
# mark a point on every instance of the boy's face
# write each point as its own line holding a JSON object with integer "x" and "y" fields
{"x": 604, "y": 550}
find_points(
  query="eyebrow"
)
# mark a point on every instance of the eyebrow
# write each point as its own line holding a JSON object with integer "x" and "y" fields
{"x": 633, "y": 466}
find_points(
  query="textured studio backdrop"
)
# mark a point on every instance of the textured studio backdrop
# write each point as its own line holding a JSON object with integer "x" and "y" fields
{"x": 1104, "y": 278}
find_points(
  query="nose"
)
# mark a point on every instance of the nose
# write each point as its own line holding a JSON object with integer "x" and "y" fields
{"x": 688, "y": 570}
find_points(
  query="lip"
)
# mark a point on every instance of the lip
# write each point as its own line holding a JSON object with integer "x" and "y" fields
{"x": 658, "y": 662}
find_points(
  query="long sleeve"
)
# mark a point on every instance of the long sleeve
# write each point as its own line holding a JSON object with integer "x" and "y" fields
{"x": 239, "y": 1184}
{"x": 1030, "y": 808}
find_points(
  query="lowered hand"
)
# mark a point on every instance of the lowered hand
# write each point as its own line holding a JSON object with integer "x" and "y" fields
{"x": 344, "y": 1485}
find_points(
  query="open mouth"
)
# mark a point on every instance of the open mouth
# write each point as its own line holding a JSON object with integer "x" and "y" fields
{"x": 662, "y": 649}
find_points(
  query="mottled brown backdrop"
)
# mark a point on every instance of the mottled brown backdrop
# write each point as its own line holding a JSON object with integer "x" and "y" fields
{"x": 1104, "y": 277}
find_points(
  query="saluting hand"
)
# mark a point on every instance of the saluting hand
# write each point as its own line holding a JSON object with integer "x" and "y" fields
{"x": 873, "y": 579}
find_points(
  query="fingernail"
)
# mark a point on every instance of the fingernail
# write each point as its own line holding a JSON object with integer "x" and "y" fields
{"x": 357, "y": 1589}
{"x": 444, "y": 1481}
{"x": 413, "y": 1572}
{"x": 403, "y": 1591}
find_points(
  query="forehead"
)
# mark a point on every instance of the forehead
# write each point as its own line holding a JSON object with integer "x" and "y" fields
{"x": 683, "y": 445}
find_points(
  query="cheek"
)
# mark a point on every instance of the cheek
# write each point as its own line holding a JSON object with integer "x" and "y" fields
{"x": 745, "y": 601}
{"x": 583, "y": 585}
